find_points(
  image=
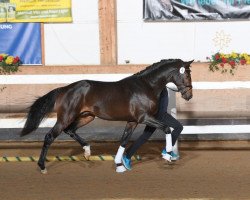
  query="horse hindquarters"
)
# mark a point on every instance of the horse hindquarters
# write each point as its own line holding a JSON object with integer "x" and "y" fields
{"x": 68, "y": 107}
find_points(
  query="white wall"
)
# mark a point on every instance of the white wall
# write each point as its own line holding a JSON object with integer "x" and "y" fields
{"x": 74, "y": 43}
{"x": 139, "y": 42}
{"x": 148, "y": 42}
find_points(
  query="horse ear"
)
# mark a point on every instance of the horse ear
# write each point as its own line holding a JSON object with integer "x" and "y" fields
{"x": 188, "y": 63}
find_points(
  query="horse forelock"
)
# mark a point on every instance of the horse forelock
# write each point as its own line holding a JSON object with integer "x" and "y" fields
{"x": 155, "y": 66}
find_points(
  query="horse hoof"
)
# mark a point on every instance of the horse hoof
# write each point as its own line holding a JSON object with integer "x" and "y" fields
{"x": 167, "y": 157}
{"x": 120, "y": 169}
{"x": 87, "y": 152}
{"x": 87, "y": 157}
{"x": 44, "y": 171}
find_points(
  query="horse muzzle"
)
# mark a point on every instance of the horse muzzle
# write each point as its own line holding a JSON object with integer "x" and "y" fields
{"x": 187, "y": 93}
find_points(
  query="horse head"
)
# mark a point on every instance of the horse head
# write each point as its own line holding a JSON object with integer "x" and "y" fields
{"x": 166, "y": 71}
{"x": 182, "y": 79}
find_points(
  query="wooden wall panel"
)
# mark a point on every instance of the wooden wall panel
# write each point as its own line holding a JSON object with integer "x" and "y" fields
{"x": 108, "y": 32}
{"x": 215, "y": 103}
{"x": 16, "y": 98}
{"x": 200, "y": 72}
{"x": 42, "y": 44}
{"x": 83, "y": 69}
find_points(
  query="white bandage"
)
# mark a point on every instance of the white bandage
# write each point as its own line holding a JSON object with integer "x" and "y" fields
{"x": 118, "y": 156}
{"x": 169, "y": 146}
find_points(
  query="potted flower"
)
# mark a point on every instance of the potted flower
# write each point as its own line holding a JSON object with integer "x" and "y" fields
{"x": 9, "y": 64}
{"x": 227, "y": 62}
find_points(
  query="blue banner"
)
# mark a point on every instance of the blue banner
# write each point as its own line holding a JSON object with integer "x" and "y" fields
{"x": 22, "y": 40}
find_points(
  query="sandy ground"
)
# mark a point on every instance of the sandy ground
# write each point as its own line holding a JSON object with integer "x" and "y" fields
{"x": 199, "y": 174}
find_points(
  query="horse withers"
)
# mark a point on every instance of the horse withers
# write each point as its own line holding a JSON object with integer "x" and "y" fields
{"x": 133, "y": 99}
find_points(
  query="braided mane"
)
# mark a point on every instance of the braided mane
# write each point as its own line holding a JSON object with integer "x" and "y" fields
{"x": 155, "y": 66}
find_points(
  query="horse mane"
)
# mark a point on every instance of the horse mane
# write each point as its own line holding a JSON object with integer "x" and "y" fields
{"x": 155, "y": 66}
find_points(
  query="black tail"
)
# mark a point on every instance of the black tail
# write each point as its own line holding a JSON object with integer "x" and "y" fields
{"x": 38, "y": 110}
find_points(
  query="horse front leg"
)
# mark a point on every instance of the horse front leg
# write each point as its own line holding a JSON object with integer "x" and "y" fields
{"x": 153, "y": 122}
{"x": 129, "y": 129}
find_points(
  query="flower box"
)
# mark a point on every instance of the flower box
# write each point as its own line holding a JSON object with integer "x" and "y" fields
{"x": 227, "y": 63}
{"x": 9, "y": 64}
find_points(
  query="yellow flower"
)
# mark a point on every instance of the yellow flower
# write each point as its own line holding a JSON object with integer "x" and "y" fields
{"x": 222, "y": 55}
{"x": 248, "y": 60}
{"x": 4, "y": 55}
{"x": 245, "y": 56}
{"x": 234, "y": 55}
{"x": 9, "y": 60}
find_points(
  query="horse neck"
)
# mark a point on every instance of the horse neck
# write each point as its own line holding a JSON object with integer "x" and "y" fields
{"x": 159, "y": 78}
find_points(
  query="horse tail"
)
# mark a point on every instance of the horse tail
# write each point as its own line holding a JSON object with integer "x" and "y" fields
{"x": 39, "y": 110}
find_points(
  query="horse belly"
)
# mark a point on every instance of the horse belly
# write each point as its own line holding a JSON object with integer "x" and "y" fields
{"x": 113, "y": 112}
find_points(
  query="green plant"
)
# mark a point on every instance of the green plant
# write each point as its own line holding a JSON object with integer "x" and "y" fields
{"x": 227, "y": 63}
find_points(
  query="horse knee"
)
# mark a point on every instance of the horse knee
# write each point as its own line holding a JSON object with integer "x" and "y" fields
{"x": 48, "y": 139}
{"x": 71, "y": 134}
{"x": 167, "y": 130}
{"x": 180, "y": 127}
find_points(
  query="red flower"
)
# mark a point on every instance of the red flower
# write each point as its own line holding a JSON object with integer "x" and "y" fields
{"x": 232, "y": 63}
{"x": 1, "y": 58}
{"x": 224, "y": 60}
{"x": 222, "y": 64}
{"x": 16, "y": 60}
{"x": 217, "y": 56}
{"x": 243, "y": 61}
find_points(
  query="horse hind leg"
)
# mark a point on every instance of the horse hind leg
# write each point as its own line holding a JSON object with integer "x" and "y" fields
{"x": 48, "y": 140}
{"x": 82, "y": 120}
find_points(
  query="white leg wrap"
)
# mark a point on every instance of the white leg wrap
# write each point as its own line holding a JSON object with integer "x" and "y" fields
{"x": 118, "y": 156}
{"x": 169, "y": 146}
{"x": 44, "y": 171}
{"x": 118, "y": 160}
{"x": 120, "y": 169}
{"x": 87, "y": 152}
{"x": 167, "y": 157}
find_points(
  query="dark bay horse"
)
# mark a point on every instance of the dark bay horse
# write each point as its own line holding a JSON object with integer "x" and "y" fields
{"x": 133, "y": 99}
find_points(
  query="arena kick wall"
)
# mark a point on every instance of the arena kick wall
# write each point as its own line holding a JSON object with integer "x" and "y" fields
{"x": 109, "y": 40}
